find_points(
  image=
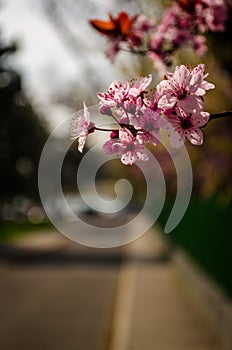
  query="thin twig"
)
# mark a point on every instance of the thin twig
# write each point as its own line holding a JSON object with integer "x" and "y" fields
{"x": 103, "y": 129}
{"x": 220, "y": 115}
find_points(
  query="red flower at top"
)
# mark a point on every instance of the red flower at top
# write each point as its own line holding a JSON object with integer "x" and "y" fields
{"x": 116, "y": 27}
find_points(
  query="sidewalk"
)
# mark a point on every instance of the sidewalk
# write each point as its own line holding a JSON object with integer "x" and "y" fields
{"x": 155, "y": 309}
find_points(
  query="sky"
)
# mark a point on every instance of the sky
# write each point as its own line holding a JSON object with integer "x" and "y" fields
{"x": 47, "y": 63}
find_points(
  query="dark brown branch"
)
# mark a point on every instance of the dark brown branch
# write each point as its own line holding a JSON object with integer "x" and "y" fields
{"x": 103, "y": 129}
{"x": 220, "y": 115}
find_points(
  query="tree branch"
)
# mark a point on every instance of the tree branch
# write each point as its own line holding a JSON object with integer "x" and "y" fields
{"x": 220, "y": 115}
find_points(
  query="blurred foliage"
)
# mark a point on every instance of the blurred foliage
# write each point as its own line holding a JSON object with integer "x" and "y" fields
{"x": 23, "y": 134}
{"x": 13, "y": 230}
{"x": 70, "y": 168}
{"x": 205, "y": 232}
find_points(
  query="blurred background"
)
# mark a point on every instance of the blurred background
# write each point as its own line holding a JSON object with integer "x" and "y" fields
{"x": 50, "y": 61}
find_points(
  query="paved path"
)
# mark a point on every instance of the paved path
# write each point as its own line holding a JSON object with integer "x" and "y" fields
{"x": 55, "y": 294}
{"x": 156, "y": 309}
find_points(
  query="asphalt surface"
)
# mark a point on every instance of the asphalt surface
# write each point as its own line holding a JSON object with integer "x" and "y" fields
{"x": 55, "y": 294}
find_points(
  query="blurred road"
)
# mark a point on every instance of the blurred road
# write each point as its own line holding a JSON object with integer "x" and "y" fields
{"x": 55, "y": 294}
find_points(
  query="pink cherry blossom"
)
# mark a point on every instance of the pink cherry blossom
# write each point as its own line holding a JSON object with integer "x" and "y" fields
{"x": 175, "y": 30}
{"x": 199, "y": 44}
{"x": 131, "y": 150}
{"x": 135, "y": 101}
{"x": 149, "y": 124}
{"x": 182, "y": 25}
{"x": 113, "y": 145}
{"x": 184, "y": 89}
{"x": 186, "y": 125}
{"x": 116, "y": 94}
{"x": 128, "y": 146}
{"x": 143, "y": 24}
{"x": 127, "y": 97}
{"x": 151, "y": 100}
{"x": 80, "y": 127}
{"x": 139, "y": 27}
{"x": 211, "y": 15}
{"x": 139, "y": 86}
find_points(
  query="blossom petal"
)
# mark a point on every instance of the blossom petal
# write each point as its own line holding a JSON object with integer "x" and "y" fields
{"x": 145, "y": 82}
{"x": 129, "y": 158}
{"x": 205, "y": 85}
{"x": 112, "y": 146}
{"x": 167, "y": 101}
{"x": 86, "y": 113}
{"x": 181, "y": 75}
{"x": 191, "y": 103}
{"x": 201, "y": 119}
{"x": 81, "y": 142}
{"x": 195, "y": 136}
{"x": 139, "y": 86}
{"x": 163, "y": 86}
{"x": 125, "y": 135}
{"x": 195, "y": 82}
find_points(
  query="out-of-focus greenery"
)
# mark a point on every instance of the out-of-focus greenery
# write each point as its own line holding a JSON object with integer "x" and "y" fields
{"x": 205, "y": 232}
{"x": 12, "y": 230}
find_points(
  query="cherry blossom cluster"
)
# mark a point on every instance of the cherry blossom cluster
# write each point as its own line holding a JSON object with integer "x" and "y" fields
{"x": 177, "y": 105}
{"x": 184, "y": 23}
